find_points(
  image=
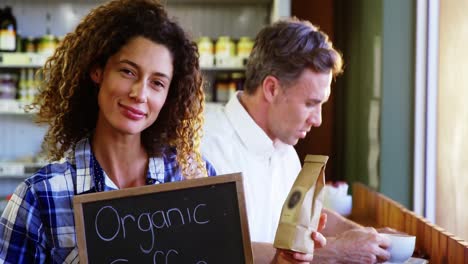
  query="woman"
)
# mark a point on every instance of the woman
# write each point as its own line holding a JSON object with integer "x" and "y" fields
{"x": 123, "y": 99}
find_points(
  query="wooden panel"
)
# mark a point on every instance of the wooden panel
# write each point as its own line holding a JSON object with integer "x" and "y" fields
{"x": 432, "y": 241}
{"x": 443, "y": 247}
{"x": 411, "y": 223}
{"x": 320, "y": 140}
{"x": 319, "y": 12}
{"x": 457, "y": 250}
{"x": 421, "y": 236}
{"x": 396, "y": 217}
{"x": 359, "y": 197}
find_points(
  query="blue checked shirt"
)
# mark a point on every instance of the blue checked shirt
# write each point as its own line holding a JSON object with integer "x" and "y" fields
{"x": 38, "y": 224}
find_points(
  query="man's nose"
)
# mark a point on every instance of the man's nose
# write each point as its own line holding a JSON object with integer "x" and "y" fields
{"x": 315, "y": 118}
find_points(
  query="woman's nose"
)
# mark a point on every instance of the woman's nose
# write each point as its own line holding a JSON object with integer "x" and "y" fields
{"x": 138, "y": 92}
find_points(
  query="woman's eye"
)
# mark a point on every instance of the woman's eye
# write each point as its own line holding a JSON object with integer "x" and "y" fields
{"x": 127, "y": 72}
{"x": 158, "y": 84}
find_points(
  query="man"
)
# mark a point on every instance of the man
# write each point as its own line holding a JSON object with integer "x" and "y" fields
{"x": 288, "y": 78}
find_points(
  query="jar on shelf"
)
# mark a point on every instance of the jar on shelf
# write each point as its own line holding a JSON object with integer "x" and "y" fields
{"x": 205, "y": 50}
{"x": 244, "y": 47}
{"x": 224, "y": 51}
{"x": 46, "y": 44}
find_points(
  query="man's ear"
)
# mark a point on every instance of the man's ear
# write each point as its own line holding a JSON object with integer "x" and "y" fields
{"x": 270, "y": 88}
{"x": 96, "y": 74}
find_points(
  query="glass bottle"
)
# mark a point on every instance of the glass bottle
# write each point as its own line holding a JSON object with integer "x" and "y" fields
{"x": 8, "y": 31}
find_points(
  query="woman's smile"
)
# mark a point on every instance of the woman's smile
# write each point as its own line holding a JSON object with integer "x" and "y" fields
{"x": 132, "y": 113}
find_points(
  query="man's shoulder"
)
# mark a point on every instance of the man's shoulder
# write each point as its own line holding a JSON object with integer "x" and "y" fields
{"x": 216, "y": 120}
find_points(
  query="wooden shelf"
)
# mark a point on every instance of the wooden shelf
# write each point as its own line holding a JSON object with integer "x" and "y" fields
{"x": 15, "y": 107}
{"x": 223, "y": 68}
{"x": 18, "y": 169}
{"x": 37, "y": 60}
{"x": 22, "y": 60}
{"x": 219, "y": 2}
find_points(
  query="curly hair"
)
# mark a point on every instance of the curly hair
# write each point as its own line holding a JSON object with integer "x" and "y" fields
{"x": 287, "y": 47}
{"x": 67, "y": 99}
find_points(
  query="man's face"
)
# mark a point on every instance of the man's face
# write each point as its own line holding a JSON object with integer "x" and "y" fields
{"x": 298, "y": 108}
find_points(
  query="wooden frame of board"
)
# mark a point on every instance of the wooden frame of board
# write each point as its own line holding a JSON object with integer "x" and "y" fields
{"x": 236, "y": 178}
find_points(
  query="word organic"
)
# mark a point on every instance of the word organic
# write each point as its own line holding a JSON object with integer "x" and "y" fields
{"x": 114, "y": 226}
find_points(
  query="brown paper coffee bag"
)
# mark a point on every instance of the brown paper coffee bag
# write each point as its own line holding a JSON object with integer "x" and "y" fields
{"x": 301, "y": 210}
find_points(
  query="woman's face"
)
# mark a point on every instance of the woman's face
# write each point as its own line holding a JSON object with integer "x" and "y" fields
{"x": 133, "y": 86}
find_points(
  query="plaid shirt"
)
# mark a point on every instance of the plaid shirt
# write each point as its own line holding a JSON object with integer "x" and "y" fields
{"x": 38, "y": 224}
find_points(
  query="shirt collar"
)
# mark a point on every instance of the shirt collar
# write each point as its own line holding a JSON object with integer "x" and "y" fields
{"x": 85, "y": 173}
{"x": 156, "y": 169}
{"x": 251, "y": 134}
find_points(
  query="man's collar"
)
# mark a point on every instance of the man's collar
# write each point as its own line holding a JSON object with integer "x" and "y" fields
{"x": 251, "y": 134}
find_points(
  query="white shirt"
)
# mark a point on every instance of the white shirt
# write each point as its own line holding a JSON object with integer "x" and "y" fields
{"x": 233, "y": 142}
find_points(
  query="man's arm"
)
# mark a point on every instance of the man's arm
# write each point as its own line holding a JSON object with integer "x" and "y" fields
{"x": 337, "y": 224}
{"x": 355, "y": 246}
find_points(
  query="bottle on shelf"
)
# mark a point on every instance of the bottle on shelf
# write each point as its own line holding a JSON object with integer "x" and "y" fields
{"x": 23, "y": 87}
{"x": 8, "y": 31}
{"x": 238, "y": 79}
{"x": 221, "y": 87}
{"x": 7, "y": 86}
{"x": 31, "y": 85}
{"x": 29, "y": 44}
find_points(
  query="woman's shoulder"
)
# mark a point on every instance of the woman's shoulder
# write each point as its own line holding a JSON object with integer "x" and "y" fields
{"x": 211, "y": 171}
{"x": 52, "y": 177}
{"x": 170, "y": 161}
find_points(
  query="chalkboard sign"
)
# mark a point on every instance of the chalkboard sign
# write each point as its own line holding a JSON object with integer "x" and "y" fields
{"x": 198, "y": 221}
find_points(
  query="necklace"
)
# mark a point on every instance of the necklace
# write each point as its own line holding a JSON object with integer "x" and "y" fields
{"x": 98, "y": 174}
{"x": 99, "y": 181}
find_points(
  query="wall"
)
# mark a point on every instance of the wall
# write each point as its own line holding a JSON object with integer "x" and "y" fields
{"x": 452, "y": 132}
{"x": 376, "y": 105}
{"x": 213, "y": 18}
{"x": 396, "y": 132}
{"x": 359, "y": 26}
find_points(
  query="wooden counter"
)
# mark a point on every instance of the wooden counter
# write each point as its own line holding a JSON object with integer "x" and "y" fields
{"x": 371, "y": 208}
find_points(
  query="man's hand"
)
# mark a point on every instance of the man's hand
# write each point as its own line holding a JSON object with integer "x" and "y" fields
{"x": 287, "y": 256}
{"x": 360, "y": 245}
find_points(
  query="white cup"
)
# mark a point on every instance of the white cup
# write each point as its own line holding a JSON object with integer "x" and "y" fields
{"x": 402, "y": 247}
{"x": 340, "y": 204}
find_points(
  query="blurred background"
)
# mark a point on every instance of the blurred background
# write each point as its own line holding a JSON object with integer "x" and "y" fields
{"x": 397, "y": 119}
